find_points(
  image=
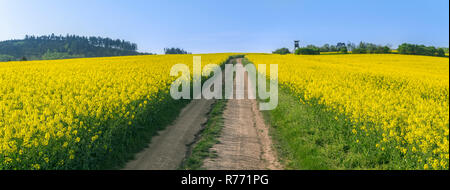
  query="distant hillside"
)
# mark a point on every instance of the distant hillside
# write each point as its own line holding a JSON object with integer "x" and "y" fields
{"x": 62, "y": 47}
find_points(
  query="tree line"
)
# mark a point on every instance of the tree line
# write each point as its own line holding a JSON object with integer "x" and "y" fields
{"x": 364, "y": 47}
{"x": 48, "y": 47}
{"x": 175, "y": 50}
{"x": 61, "y": 47}
{"x": 414, "y": 49}
{"x": 94, "y": 41}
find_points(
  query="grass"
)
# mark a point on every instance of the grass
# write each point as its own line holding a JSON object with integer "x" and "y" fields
{"x": 207, "y": 138}
{"x": 237, "y": 56}
{"x": 146, "y": 126}
{"x": 307, "y": 136}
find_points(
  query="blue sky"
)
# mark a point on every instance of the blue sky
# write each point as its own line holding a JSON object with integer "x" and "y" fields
{"x": 205, "y": 26}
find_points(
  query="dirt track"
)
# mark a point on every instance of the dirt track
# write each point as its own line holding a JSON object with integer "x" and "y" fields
{"x": 244, "y": 143}
{"x": 168, "y": 149}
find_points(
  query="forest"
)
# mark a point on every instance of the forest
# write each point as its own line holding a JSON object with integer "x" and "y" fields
{"x": 63, "y": 47}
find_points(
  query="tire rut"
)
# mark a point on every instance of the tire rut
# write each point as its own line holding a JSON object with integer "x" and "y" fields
{"x": 245, "y": 143}
{"x": 168, "y": 149}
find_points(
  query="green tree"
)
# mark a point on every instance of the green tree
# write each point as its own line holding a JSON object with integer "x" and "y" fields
{"x": 325, "y": 48}
{"x": 174, "y": 50}
{"x": 343, "y": 50}
{"x": 441, "y": 52}
{"x": 281, "y": 51}
{"x": 6, "y": 58}
{"x": 35, "y": 47}
{"x": 415, "y": 49}
{"x": 307, "y": 51}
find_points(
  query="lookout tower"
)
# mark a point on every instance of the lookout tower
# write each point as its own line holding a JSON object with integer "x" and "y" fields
{"x": 296, "y": 45}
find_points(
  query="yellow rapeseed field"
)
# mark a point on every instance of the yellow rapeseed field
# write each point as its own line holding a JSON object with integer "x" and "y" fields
{"x": 399, "y": 104}
{"x": 75, "y": 113}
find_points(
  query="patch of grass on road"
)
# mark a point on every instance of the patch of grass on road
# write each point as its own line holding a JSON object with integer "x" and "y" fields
{"x": 207, "y": 138}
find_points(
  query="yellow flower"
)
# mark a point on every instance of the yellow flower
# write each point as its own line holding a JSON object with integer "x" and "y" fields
{"x": 36, "y": 166}
{"x": 51, "y": 105}
{"x": 404, "y": 98}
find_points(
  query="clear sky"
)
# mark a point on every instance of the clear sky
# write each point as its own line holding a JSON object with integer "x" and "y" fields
{"x": 204, "y": 26}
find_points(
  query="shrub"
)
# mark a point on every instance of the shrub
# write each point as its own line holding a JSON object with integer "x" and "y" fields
{"x": 343, "y": 50}
{"x": 415, "y": 49}
{"x": 364, "y": 47}
{"x": 359, "y": 50}
{"x": 174, "y": 50}
{"x": 10, "y": 58}
{"x": 441, "y": 52}
{"x": 307, "y": 51}
{"x": 387, "y": 49}
{"x": 282, "y": 51}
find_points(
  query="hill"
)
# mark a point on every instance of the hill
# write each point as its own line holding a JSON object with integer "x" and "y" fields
{"x": 62, "y": 47}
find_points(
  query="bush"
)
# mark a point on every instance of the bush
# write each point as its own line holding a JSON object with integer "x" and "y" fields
{"x": 175, "y": 51}
{"x": 237, "y": 56}
{"x": 10, "y": 58}
{"x": 381, "y": 49}
{"x": 414, "y": 49}
{"x": 343, "y": 50}
{"x": 307, "y": 51}
{"x": 441, "y": 52}
{"x": 59, "y": 55}
{"x": 359, "y": 50}
{"x": 282, "y": 51}
{"x": 370, "y": 48}
{"x": 387, "y": 49}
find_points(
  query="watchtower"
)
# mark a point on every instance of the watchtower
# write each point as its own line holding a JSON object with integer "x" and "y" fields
{"x": 296, "y": 45}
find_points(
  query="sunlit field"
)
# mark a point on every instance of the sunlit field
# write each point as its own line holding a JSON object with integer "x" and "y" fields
{"x": 390, "y": 111}
{"x": 84, "y": 113}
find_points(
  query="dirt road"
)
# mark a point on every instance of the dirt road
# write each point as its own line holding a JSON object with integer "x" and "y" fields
{"x": 167, "y": 150}
{"x": 244, "y": 143}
